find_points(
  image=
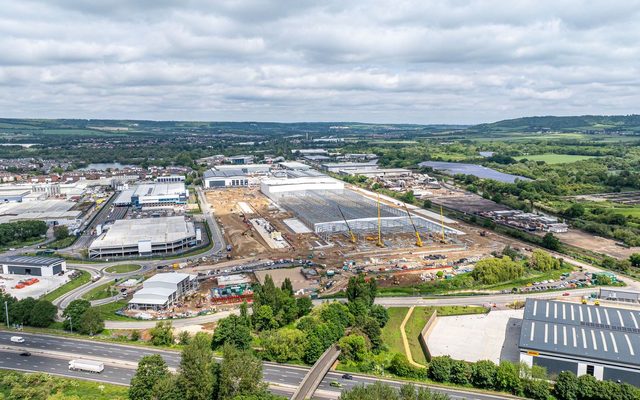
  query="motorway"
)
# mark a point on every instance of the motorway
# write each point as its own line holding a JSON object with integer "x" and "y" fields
{"x": 51, "y": 354}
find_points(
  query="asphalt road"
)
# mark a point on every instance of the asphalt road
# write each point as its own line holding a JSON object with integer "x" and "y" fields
{"x": 385, "y": 301}
{"x": 97, "y": 269}
{"x": 51, "y": 354}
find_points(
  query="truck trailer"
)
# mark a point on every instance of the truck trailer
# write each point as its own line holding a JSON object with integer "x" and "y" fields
{"x": 86, "y": 365}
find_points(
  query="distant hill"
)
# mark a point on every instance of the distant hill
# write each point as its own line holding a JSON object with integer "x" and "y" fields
{"x": 604, "y": 123}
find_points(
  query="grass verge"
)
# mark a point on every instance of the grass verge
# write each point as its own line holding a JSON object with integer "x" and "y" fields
{"x": 76, "y": 282}
{"x": 108, "y": 311}
{"x": 122, "y": 268}
{"x": 391, "y": 332}
{"x": 100, "y": 292}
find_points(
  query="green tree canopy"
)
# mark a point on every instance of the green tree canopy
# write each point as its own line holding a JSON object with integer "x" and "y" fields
{"x": 151, "y": 369}
{"x": 195, "y": 378}
{"x": 91, "y": 322}
{"x": 162, "y": 334}
{"x": 74, "y": 312}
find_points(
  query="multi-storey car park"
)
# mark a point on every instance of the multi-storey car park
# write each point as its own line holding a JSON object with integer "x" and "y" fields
{"x": 146, "y": 237}
{"x": 581, "y": 338}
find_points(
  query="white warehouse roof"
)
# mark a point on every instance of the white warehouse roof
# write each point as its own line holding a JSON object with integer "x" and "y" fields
{"x": 173, "y": 277}
{"x": 129, "y": 232}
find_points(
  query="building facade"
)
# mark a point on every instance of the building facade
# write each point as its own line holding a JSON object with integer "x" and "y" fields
{"x": 35, "y": 266}
{"x": 581, "y": 338}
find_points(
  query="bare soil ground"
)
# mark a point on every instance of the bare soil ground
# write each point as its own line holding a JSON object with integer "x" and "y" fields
{"x": 399, "y": 249}
{"x": 596, "y": 243}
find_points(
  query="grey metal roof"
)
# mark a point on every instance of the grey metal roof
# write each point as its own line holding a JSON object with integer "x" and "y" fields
{"x": 31, "y": 260}
{"x": 582, "y": 331}
{"x": 620, "y": 295}
{"x": 228, "y": 173}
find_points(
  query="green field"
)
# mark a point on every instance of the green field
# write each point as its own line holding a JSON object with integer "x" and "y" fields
{"x": 414, "y": 326}
{"x": 391, "y": 332}
{"x": 555, "y": 158}
{"x": 108, "y": 311}
{"x": 100, "y": 292}
{"x": 83, "y": 278}
{"x": 122, "y": 268}
{"x": 626, "y": 211}
{"x": 19, "y": 385}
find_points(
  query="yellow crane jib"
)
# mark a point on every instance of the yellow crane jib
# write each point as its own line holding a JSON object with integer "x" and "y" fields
{"x": 380, "y": 243}
{"x": 353, "y": 236}
{"x": 418, "y": 238}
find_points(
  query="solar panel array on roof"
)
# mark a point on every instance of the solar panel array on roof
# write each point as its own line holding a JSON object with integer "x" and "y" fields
{"x": 582, "y": 330}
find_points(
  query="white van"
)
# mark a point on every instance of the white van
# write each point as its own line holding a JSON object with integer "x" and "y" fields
{"x": 17, "y": 339}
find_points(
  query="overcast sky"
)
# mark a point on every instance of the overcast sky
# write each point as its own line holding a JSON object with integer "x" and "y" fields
{"x": 302, "y": 60}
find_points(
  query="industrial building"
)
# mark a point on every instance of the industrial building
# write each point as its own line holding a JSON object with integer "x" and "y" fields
{"x": 53, "y": 212}
{"x": 377, "y": 173}
{"x": 29, "y": 265}
{"x": 346, "y": 166}
{"x": 624, "y": 296}
{"x": 153, "y": 195}
{"x": 582, "y": 338}
{"x": 240, "y": 160}
{"x": 13, "y": 193}
{"x": 170, "y": 179}
{"x": 145, "y": 237}
{"x": 163, "y": 290}
{"x": 320, "y": 203}
{"x": 249, "y": 169}
{"x": 227, "y": 178}
{"x": 295, "y": 166}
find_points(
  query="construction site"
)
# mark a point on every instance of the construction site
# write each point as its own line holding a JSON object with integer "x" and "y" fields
{"x": 342, "y": 230}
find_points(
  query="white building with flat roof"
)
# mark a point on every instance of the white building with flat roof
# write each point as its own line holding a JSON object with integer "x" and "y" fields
{"x": 153, "y": 195}
{"x": 275, "y": 188}
{"x": 163, "y": 290}
{"x": 145, "y": 237}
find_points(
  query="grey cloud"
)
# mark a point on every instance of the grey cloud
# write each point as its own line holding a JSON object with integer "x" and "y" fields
{"x": 380, "y": 61}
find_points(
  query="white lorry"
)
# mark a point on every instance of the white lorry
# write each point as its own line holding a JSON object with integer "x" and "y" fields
{"x": 86, "y": 365}
{"x": 17, "y": 339}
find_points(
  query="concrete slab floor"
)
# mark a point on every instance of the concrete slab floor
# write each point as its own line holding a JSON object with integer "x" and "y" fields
{"x": 493, "y": 336}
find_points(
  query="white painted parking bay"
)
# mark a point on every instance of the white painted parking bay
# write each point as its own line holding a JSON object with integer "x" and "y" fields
{"x": 478, "y": 337}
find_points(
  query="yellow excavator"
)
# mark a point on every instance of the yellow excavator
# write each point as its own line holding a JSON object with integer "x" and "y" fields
{"x": 418, "y": 238}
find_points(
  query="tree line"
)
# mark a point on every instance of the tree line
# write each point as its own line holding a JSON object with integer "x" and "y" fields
{"x": 21, "y": 231}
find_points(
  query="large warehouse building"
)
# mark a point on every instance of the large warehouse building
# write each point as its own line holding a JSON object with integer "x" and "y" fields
{"x": 584, "y": 339}
{"x": 162, "y": 290}
{"x": 320, "y": 201}
{"x": 153, "y": 195}
{"x": 36, "y": 266}
{"x": 227, "y": 178}
{"x": 145, "y": 237}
